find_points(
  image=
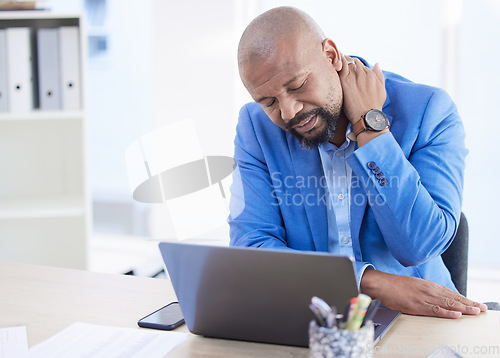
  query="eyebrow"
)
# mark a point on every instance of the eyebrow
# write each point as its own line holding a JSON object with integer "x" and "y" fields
{"x": 284, "y": 85}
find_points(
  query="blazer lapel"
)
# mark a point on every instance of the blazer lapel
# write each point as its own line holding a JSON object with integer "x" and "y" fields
{"x": 307, "y": 165}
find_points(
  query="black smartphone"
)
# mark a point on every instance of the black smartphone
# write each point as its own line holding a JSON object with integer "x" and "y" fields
{"x": 166, "y": 318}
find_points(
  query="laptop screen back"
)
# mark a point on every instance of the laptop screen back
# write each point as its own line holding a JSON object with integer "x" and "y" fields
{"x": 252, "y": 294}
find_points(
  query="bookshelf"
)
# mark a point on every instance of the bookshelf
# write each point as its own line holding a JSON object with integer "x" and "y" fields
{"x": 45, "y": 211}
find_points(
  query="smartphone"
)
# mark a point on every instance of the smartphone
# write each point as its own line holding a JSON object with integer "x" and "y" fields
{"x": 166, "y": 318}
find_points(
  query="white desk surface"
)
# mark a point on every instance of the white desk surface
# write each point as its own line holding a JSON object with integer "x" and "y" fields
{"x": 47, "y": 300}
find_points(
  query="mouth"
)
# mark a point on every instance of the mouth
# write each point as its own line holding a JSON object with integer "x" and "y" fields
{"x": 307, "y": 125}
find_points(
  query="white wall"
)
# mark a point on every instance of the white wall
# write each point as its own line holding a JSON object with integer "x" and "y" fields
{"x": 194, "y": 69}
{"x": 120, "y": 94}
{"x": 478, "y": 98}
{"x": 394, "y": 33}
{"x": 194, "y": 78}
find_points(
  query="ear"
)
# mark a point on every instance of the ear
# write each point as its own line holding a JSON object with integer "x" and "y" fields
{"x": 332, "y": 53}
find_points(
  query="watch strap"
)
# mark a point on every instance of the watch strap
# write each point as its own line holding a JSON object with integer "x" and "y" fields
{"x": 359, "y": 126}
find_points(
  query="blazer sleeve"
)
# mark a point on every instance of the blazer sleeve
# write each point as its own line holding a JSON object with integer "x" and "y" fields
{"x": 418, "y": 208}
{"x": 255, "y": 218}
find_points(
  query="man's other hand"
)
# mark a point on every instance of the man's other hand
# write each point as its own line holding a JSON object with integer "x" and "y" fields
{"x": 415, "y": 296}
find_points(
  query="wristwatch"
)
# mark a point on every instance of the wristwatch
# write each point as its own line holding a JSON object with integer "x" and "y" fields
{"x": 373, "y": 120}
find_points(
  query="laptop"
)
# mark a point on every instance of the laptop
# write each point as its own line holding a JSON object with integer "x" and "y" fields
{"x": 259, "y": 295}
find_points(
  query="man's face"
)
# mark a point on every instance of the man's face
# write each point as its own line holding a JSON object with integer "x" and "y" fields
{"x": 299, "y": 89}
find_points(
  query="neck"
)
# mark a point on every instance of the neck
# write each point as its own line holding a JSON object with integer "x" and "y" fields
{"x": 339, "y": 136}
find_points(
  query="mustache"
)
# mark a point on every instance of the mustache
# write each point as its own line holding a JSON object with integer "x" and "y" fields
{"x": 301, "y": 117}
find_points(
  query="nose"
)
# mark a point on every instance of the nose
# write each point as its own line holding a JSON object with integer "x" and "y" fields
{"x": 289, "y": 108}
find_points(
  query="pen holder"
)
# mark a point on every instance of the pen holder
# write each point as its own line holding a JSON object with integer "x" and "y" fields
{"x": 334, "y": 342}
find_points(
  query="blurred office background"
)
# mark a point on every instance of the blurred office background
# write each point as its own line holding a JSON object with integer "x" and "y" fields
{"x": 154, "y": 62}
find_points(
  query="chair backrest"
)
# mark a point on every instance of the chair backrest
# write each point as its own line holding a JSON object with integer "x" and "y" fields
{"x": 456, "y": 256}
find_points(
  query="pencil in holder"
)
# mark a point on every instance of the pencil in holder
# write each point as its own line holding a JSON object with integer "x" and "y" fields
{"x": 333, "y": 342}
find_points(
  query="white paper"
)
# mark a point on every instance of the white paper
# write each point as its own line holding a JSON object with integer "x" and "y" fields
{"x": 444, "y": 352}
{"x": 13, "y": 342}
{"x": 87, "y": 340}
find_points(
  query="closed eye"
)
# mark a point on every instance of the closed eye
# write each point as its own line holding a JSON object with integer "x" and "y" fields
{"x": 296, "y": 89}
{"x": 271, "y": 104}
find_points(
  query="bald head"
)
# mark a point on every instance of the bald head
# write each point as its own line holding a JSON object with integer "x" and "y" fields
{"x": 265, "y": 33}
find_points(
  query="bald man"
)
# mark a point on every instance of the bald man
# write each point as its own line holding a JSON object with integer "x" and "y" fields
{"x": 337, "y": 156}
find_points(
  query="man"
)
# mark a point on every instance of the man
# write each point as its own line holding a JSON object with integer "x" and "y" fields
{"x": 356, "y": 163}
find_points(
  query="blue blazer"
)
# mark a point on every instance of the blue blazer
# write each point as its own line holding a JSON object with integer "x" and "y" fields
{"x": 279, "y": 189}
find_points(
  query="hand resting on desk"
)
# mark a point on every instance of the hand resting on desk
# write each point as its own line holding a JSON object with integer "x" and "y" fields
{"x": 415, "y": 296}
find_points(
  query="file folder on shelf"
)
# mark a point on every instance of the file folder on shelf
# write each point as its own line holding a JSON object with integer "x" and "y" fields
{"x": 4, "y": 100}
{"x": 69, "y": 47}
{"x": 19, "y": 74}
{"x": 48, "y": 69}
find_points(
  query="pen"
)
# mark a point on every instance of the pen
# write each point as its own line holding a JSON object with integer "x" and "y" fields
{"x": 352, "y": 307}
{"x": 318, "y": 317}
{"x": 323, "y": 310}
{"x": 321, "y": 304}
{"x": 325, "y": 315}
{"x": 355, "y": 321}
{"x": 345, "y": 316}
{"x": 370, "y": 312}
{"x": 331, "y": 320}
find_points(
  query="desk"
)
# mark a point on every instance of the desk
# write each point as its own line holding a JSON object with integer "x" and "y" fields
{"x": 47, "y": 300}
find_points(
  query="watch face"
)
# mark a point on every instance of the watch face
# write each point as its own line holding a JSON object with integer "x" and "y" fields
{"x": 376, "y": 120}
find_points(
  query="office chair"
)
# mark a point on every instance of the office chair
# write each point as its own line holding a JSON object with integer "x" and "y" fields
{"x": 456, "y": 256}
